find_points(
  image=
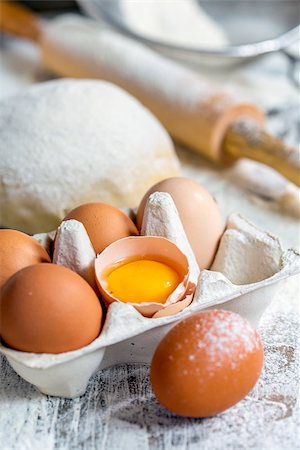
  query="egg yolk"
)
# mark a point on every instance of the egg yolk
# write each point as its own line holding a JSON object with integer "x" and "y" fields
{"x": 142, "y": 281}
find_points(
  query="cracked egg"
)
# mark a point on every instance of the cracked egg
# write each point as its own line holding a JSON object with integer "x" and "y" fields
{"x": 148, "y": 272}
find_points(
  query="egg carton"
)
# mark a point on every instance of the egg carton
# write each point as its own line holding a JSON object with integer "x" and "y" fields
{"x": 248, "y": 266}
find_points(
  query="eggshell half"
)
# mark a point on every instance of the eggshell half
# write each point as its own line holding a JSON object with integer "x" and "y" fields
{"x": 151, "y": 247}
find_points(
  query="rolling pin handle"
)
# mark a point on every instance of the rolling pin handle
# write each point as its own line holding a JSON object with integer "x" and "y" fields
{"x": 17, "y": 20}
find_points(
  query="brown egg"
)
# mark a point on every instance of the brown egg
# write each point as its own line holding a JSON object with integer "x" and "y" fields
{"x": 198, "y": 212}
{"x": 206, "y": 364}
{"x": 103, "y": 223}
{"x": 18, "y": 250}
{"x": 47, "y": 308}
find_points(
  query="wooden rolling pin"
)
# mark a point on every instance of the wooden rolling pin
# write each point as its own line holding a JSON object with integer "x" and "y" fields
{"x": 195, "y": 113}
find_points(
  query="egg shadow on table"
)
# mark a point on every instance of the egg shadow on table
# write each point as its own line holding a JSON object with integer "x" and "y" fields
{"x": 125, "y": 392}
{"x": 130, "y": 384}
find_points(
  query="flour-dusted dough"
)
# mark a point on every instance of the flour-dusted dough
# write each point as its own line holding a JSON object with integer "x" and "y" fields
{"x": 66, "y": 142}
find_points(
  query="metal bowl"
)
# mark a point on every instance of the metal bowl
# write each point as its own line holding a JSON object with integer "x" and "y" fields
{"x": 253, "y": 27}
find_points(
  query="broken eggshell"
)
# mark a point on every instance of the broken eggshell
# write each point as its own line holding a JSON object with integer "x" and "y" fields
{"x": 147, "y": 247}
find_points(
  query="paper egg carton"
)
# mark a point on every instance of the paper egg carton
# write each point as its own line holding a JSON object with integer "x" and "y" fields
{"x": 244, "y": 276}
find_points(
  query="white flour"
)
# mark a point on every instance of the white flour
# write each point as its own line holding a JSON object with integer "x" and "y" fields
{"x": 179, "y": 22}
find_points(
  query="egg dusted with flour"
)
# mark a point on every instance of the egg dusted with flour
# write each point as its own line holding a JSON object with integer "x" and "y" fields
{"x": 67, "y": 142}
{"x": 206, "y": 364}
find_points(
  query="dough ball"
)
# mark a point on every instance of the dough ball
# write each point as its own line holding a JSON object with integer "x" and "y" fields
{"x": 68, "y": 142}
